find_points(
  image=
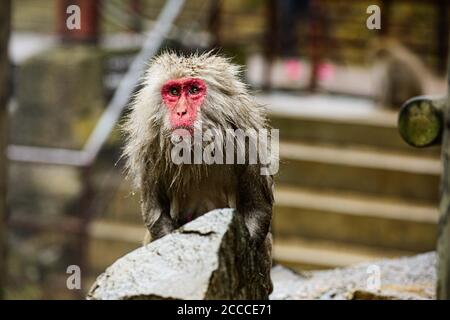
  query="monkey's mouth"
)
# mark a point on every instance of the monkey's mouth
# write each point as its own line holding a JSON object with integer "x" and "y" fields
{"x": 183, "y": 130}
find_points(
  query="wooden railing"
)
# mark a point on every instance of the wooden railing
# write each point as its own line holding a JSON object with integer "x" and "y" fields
{"x": 423, "y": 122}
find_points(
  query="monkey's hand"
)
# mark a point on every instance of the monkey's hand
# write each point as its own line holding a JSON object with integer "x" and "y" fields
{"x": 255, "y": 201}
{"x": 156, "y": 218}
{"x": 163, "y": 226}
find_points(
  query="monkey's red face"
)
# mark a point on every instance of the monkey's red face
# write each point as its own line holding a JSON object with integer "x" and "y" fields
{"x": 183, "y": 99}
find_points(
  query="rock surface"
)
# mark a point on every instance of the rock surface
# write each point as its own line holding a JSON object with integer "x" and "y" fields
{"x": 208, "y": 258}
{"x": 403, "y": 278}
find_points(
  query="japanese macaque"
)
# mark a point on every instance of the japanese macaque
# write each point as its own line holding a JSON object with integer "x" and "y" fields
{"x": 183, "y": 96}
{"x": 398, "y": 74}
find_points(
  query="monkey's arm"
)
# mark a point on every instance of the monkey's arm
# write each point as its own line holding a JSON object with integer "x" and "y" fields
{"x": 255, "y": 201}
{"x": 155, "y": 212}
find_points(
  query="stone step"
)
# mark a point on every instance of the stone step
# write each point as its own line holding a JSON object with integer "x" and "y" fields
{"x": 337, "y": 120}
{"x": 351, "y": 218}
{"x": 360, "y": 170}
{"x": 303, "y": 254}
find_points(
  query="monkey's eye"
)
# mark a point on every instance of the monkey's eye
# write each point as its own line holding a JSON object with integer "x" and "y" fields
{"x": 174, "y": 91}
{"x": 194, "y": 90}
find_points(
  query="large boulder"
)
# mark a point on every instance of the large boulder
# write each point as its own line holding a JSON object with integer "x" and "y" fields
{"x": 208, "y": 258}
{"x": 403, "y": 278}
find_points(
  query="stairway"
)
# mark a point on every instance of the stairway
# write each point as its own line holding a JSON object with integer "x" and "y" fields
{"x": 349, "y": 189}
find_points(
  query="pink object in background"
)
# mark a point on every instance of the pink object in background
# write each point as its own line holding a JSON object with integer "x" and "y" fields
{"x": 293, "y": 69}
{"x": 326, "y": 71}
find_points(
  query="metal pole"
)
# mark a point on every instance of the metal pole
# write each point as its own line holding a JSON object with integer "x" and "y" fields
{"x": 425, "y": 121}
{"x": 442, "y": 32}
{"x": 214, "y": 22}
{"x": 443, "y": 246}
{"x": 315, "y": 47}
{"x": 136, "y": 11}
{"x": 5, "y": 16}
{"x": 270, "y": 42}
{"x": 385, "y": 7}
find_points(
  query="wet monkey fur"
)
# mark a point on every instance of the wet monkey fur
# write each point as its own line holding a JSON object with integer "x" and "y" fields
{"x": 196, "y": 92}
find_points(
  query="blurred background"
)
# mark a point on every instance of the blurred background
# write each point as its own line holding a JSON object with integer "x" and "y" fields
{"x": 349, "y": 189}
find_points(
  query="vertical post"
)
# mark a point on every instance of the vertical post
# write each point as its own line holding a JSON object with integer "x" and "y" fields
{"x": 315, "y": 37}
{"x": 214, "y": 22}
{"x": 442, "y": 35}
{"x": 136, "y": 10}
{"x": 89, "y": 21}
{"x": 424, "y": 122}
{"x": 443, "y": 247}
{"x": 385, "y": 7}
{"x": 270, "y": 43}
{"x": 5, "y": 16}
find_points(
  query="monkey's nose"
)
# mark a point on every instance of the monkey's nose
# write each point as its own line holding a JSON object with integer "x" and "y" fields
{"x": 181, "y": 113}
